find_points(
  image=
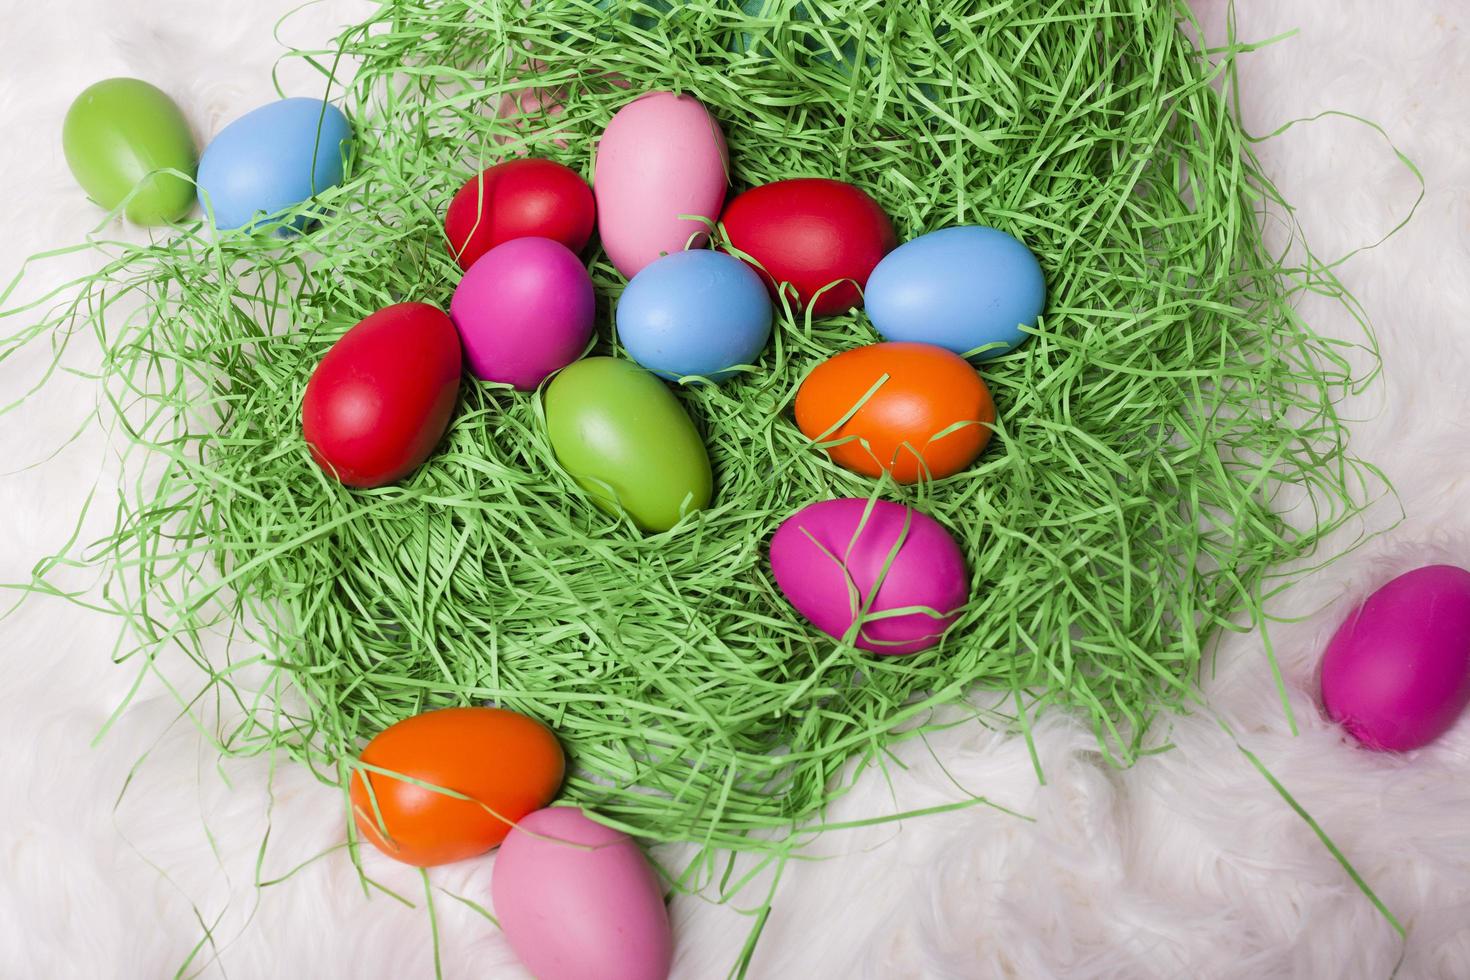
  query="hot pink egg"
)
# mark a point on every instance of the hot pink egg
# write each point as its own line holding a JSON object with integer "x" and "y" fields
{"x": 825, "y": 547}
{"x": 578, "y": 900}
{"x": 524, "y": 310}
{"x": 662, "y": 155}
{"x": 1396, "y": 673}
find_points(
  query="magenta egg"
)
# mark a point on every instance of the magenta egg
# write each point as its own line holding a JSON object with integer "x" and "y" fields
{"x": 1396, "y": 673}
{"x": 578, "y": 900}
{"x": 523, "y": 310}
{"x": 828, "y": 561}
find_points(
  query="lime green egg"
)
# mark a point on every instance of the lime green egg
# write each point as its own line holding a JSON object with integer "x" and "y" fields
{"x": 117, "y": 136}
{"x": 623, "y": 436}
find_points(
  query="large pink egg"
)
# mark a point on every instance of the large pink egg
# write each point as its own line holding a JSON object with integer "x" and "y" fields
{"x": 827, "y": 561}
{"x": 577, "y": 900}
{"x": 661, "y": 156}
{"x": 1396, "y": 674}
{"x": 524, "y": 310}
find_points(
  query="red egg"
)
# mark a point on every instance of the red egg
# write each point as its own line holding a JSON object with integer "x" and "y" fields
{"x": 522, "y": 198}
{"x": 379, "y": 402}
{"x": 811, "y": 232}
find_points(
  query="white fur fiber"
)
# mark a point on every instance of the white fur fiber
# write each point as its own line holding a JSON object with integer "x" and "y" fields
{"x": 1186, "y": 865}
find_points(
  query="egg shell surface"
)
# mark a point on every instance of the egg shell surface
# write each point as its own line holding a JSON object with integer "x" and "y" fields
{"x": 507, "y": 764}
{"x": 694, "y": 313}
{"x": 958, "y": 288}
{"x": 116, "y": 135}
{"x": 811, "y": 233}
{"x": 524, "y": 310}
{"x": 379, "y": 401}
{"x": 662, "y": 155}
{"x": 272, "y": 159}
{"x": 577, "y": 901}
{"x": 623, "y": 436}
{"x": 523, "y": 198}
{"x": 1396, "y": 674}
{"x": 530, "y": 111}
{"x": 912, "y": 423}
{"x": 928, "y": 570}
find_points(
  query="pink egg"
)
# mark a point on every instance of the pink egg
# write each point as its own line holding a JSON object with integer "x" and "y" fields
{"x": 530, "y": 110}
{"x": 825, "y": 551}
{"x": 1396, "y": 674}
{"x": 577, "y": 900}
{"x": 523, "y": 310}
{"x": 661, "y": 156}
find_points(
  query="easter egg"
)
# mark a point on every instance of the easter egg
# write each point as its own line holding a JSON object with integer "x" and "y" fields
{"x": 528, "y": 113}
{"x": 823, "y": 551}
{"x": 506, "y": 765}
{"x": 577, "y": 900}
{"x": 117, "y": 135}
{"x": 819, "y": 237}
{"x": 1396, "y": 674}
{"x": 381, "y": 398}
{"x": 272, "y": 159}
{"x": 908, "y": 402}
{"x": 958, "y": 288}
{"x": 626, "y": 440}
{"x": 694, "y": 313}
{"x": 525, "y": 198}
{"x": 661, "y": 156}
{"x": 524, "y": 310}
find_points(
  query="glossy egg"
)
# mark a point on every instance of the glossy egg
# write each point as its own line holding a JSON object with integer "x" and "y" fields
{"x": 524, "y": 310}
{"x": 529, "y": 112}
{"x": 824, "y": 548}
{"x": 525, "y": 198}
{"x": 117, "y": 135}
{"x": 912, "y": 424}
{"x": 1396, "y": 674}
{"x": 820, "y": 237}
{"x": 958, "y": 288}
{"x": 623, "y": 436}
{"x": 508, "y": 765}
{"x": 662, "y": 156}
{"x": 381, "y": 398}
{"x": 578, "y": 901}
{"x": 694, "y": 313}
{"x": 272, "y": 159}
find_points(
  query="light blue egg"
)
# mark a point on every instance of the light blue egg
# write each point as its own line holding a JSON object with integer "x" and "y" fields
{"x": 272, "y": 159}
{"x": 957, "y": 288}
{"x": 694, "y": 313}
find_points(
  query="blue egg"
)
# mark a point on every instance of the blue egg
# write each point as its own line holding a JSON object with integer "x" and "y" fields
{"x": 696, "y": 312}
{"x": 272, "y": 159}
{"x": 957, "y": 288}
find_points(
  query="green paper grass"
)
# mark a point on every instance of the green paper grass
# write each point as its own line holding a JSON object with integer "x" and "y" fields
{"x": 1165, "y": 439}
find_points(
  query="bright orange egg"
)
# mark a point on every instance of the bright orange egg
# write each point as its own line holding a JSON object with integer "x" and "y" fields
{"x": 910, "y": 423}
{"x": 506, "y": 763}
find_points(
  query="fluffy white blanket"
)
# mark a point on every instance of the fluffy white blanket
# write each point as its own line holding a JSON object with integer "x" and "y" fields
{"x": 1188, "y": 864}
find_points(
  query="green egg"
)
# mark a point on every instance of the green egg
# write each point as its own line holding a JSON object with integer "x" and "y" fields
{"x": 116, "y": 135}
{"x": 626, "y": 440}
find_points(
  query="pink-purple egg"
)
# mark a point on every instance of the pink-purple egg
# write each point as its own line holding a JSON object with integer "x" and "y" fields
{"x": 661, "y": 156}
{"x": 1396, "y": 674}
{"x": 578, "y": 900}
{"x": 524, "y": 310}
{"x": 828, "y": 560}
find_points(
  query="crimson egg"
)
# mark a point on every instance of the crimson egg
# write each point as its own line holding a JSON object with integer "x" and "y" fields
{"x": 821, "y": 237}
{"x": 522, "y": 198}
{"x": 381, "y": 398}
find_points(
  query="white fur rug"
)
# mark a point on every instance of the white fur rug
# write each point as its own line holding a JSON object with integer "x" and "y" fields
{"x": 1188, "y": 864}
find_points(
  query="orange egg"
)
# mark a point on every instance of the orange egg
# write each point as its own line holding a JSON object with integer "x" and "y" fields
{"x": 910, "y": 423}
{"x": 506, "y": 763}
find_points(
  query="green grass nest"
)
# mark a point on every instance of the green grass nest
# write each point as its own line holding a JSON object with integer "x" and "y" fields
{"x": 1165, "y": 439}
